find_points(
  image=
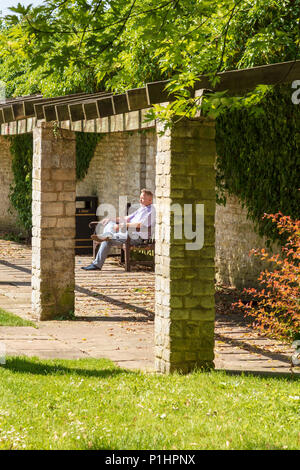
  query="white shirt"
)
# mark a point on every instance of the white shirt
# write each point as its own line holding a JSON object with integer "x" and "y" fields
{"x": 145, "y": 216}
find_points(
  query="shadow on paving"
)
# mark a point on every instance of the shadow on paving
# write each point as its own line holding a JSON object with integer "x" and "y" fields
{"x": 15, "y": 266}
{"x": 252, "y": 348}
{"x": 22, "y": 365}
{"x": 118, "y": 303}
{"x": 15, "y": 283}
{"x": 111, "y": 319}
{"x": 95, "y": 295}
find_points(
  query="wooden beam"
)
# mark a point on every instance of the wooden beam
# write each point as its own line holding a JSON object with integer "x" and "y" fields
{"x": 102, "y": 104}
{"x": 76, "y": 112}
{"x": 51, "y": 112}
{"x": 137, "y": 99}
{"x": 121, "y": 103}
{"x": 236, "y": 81}
{"x": 156, "y": 93}
{"x": 62, "y": 112}
{"x": 19, "y": 110}
{"x": 18, "y": 105}
{"x": 35, "y": 106}
{"x": 19, "y": 99}
{"x": 105, "y": 107}
{"x": 8, "y": 113}
{"x": 39, "y": 105}
{"x": 90, "y": 110}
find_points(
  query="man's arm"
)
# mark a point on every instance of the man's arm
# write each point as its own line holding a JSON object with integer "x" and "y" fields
{"x": 126, "y": 225}
{"x": 117, "y": 220}
{"x": 122, "y": 219}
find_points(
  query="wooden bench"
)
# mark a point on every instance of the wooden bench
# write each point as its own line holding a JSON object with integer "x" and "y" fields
{"x": 146, "y": 245}
{"x": 126, "y": 248}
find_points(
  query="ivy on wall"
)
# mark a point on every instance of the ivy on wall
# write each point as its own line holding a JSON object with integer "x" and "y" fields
{"x": 21, "y": 147}
{"x": 258, "y": 159}
{"x": 85, "y": 148}
{"x": 21, "y": 189}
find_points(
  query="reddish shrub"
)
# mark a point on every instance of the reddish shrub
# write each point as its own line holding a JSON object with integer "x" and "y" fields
{"x": 275, "y": 306}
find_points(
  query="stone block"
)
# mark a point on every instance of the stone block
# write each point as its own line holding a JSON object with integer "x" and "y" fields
{"x": 62, "y": 174}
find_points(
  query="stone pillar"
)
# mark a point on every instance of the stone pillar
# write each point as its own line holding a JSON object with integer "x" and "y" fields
{"x": 53, "y": 220}
{"x": 184, "y": 303}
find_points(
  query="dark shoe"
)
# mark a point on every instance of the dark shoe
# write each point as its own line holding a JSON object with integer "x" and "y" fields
{"x": 91, "y": 267}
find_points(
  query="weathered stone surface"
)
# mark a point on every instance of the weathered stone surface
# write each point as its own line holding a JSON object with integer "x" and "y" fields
{"x": 53, "y": 212}
{"x": 184, "y": 310}
{"x": 123, "y": 164}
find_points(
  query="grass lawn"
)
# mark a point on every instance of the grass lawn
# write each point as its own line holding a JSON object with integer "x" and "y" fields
{"x": 9, "y": 319}
{"x": 92, "y": 404}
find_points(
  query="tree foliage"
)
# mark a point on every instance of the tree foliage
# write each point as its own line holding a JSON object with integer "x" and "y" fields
{"x": 89, "y": 45}
{"x": 67, "y": 46}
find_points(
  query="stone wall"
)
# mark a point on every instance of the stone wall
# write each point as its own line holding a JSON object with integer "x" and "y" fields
{"x": 123, "y": 164}
{"x": 235, "y": 236}
{"x": 8, "y": 220}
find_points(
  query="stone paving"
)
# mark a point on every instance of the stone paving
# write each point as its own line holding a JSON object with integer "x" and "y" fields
{"x": 114, "y": 316}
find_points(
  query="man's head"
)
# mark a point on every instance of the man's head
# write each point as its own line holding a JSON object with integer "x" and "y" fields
{"x": 146, "y": 197}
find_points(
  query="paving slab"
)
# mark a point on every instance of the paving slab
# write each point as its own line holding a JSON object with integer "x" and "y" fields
{"x": 114, "y": 313}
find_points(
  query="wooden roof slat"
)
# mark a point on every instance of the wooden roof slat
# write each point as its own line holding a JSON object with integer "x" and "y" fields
{"x": 121, "y": 103}
{"x": 8, "y": 114}
{"x": 34, "y": 107}
{"x": 137, "y": 99}
{"x": 29, "y": 105}
{"x": 90, "y": 110}
{"x": 89, "y": 107}
{"x": 237, "y": 81}
{"x": 156, "y": 93}
{"x": 105, "y": 107}
{"x": 39, "y": 105}
{"x": 76, "y": 112}
{"x": 62, "y": 112}
{"x": 19, "y": 110}
{"x": 57, "y": 109}
{"x": 49, "y": 113}
{"x": 19, "y": 99}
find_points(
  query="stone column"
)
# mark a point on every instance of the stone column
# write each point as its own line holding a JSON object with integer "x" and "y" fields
{"x": 184, "y": 304}
{"x": 53, "y": 220}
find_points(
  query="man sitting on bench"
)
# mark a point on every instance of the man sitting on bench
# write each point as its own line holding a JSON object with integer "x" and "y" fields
{"x": 136, "y": 227}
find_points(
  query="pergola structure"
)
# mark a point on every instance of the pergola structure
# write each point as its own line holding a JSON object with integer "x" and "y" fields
{"x": 185, "y": 175}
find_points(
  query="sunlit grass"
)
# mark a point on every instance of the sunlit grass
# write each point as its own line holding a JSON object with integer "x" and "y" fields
{"x": 92, "y": 404}
{"x": 9, "y": 319}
